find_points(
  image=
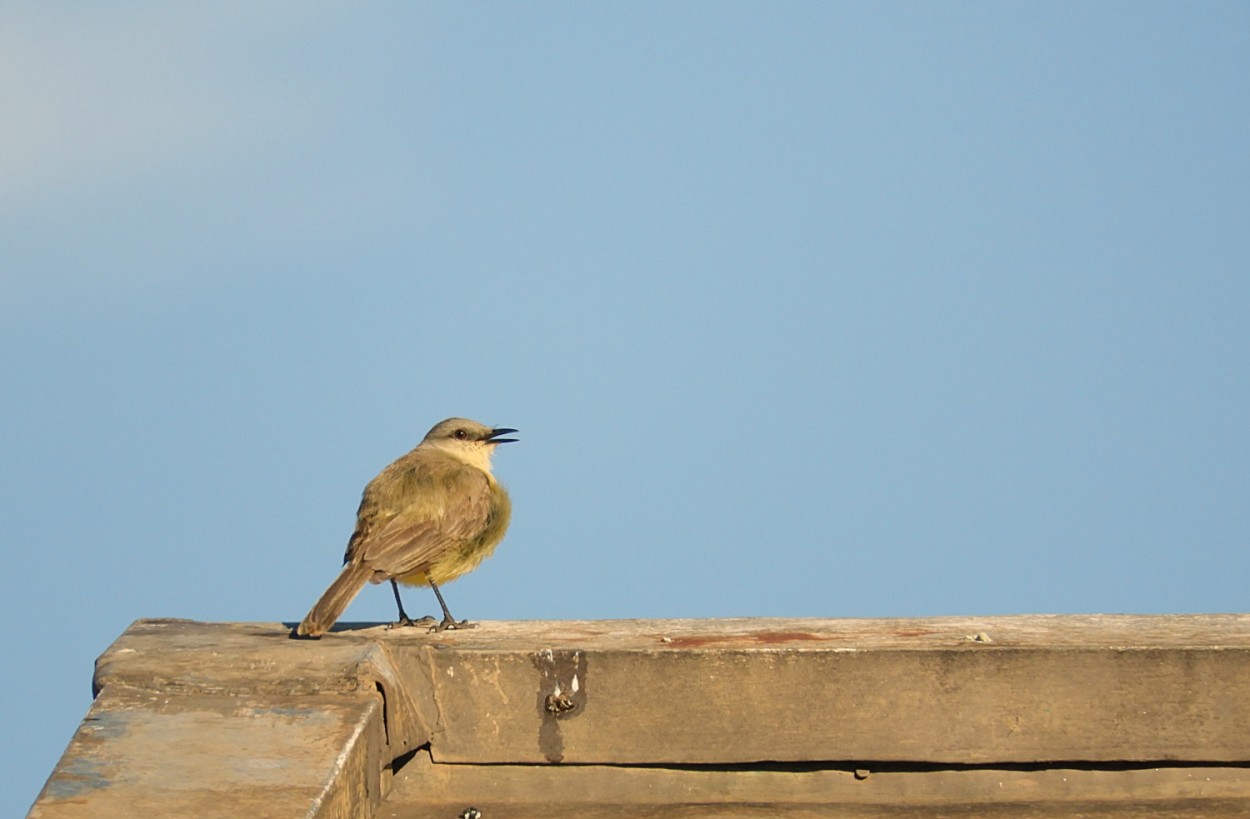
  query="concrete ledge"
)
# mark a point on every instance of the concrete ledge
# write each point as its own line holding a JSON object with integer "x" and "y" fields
{"x": 195, "y": 719}
{"x": 424, "y": 788}
{"x": 139, "y": 753}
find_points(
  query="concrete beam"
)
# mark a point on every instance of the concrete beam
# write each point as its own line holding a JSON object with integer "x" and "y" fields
{"x": 196, "y": 719}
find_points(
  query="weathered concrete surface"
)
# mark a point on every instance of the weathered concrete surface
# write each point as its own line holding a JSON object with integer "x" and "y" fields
{"x": 139, "y": 753}
{"x": 260, "y": 659}
{"x": 196, "y": 719}
{"x": 425, "y": 789}
{"x": 943, "y": 690}
{"x": 226, "y": 720}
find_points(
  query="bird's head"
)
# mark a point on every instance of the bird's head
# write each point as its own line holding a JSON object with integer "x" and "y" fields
{"x": 467, "y": 440}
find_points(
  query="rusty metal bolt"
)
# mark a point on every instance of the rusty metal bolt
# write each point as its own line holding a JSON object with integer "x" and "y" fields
{"x": 559, "y": 703}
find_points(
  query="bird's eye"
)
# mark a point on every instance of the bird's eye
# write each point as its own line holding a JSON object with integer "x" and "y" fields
{"x": 461, "y": 435}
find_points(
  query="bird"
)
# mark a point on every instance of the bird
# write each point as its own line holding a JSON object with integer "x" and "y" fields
{"x": 431, "y": 516}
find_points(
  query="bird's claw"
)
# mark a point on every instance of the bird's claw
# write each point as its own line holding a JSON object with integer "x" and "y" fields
{"x": 406, "y": 621}
{"x": 449, "y": 624}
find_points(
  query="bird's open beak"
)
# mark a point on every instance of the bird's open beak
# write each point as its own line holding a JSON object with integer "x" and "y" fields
{"x": 494, "y": 438}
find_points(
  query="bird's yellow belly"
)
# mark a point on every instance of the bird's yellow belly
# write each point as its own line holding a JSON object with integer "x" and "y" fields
{"x": 448, "y": 567}
{"x": 465, "y": 556}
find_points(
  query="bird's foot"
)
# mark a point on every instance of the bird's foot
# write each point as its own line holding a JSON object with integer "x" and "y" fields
{"x": 448, "y": 624}
{"x": 406, "y": 621}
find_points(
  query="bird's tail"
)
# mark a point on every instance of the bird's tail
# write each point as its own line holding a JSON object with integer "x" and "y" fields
{"x": 335, "y": 600}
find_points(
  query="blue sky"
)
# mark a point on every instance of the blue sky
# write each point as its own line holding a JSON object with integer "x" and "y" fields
{"x": 806, "y": 309}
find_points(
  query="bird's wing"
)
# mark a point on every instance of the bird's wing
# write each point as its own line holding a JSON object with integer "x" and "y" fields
{"x": 452, "y": 510}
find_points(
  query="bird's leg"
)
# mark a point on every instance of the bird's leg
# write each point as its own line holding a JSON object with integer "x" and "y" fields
{"x": 404, "y": 619}
{"x": 449, "y": 622}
